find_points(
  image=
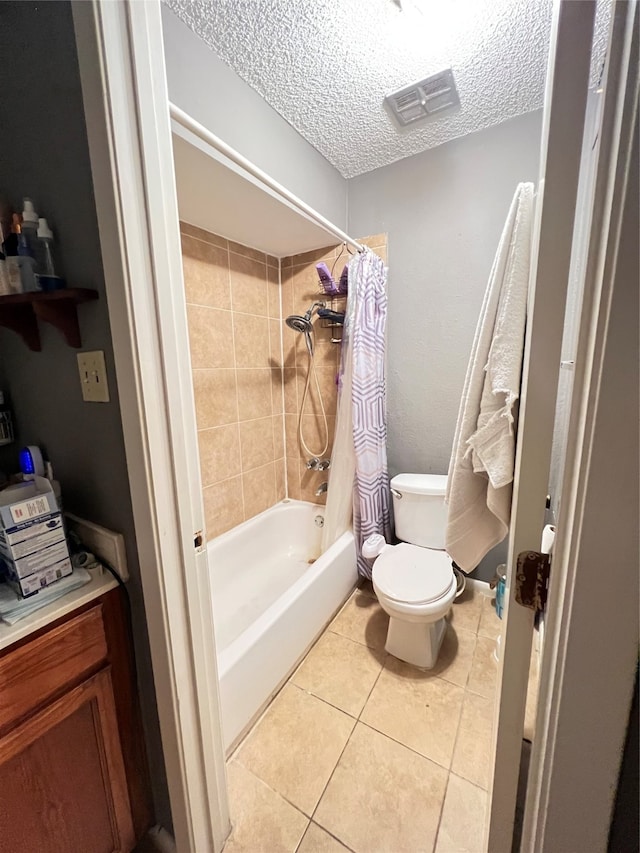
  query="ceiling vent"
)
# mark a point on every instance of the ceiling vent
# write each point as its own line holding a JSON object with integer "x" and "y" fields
{"x": 427, "y": 99}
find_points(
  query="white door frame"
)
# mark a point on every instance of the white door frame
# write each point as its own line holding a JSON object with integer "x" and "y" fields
{"x": 591, "y": 636}
{"x": 129, "y": 134}
{"x": 561, "y": 147}
{"x": 127, "y": 114}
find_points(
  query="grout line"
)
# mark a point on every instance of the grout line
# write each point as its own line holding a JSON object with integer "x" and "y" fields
{"x": 444, "y": 797}
{"x": 235, "y": 377}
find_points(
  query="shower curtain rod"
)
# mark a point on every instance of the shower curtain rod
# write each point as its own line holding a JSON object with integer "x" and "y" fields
{"x": 205, "y": 135}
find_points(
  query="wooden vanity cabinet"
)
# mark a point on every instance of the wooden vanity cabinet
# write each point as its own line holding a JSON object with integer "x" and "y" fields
{"x": 73, "y": 773}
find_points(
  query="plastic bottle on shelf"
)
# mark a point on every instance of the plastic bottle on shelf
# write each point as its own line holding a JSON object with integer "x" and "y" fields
{"x": 12, "y": 260}
{"x": 48, "y": 279}
{"x": 28, "y": 247}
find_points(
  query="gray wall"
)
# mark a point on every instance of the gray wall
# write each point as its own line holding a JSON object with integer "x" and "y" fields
{"x": 201, "y": 84}
{"x": 45, "y": 156}
{"x": 444, "y": 211}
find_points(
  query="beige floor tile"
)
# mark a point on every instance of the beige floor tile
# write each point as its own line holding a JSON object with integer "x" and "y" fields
{"x": 472, "y": 755}
{"x": 462, "y": 822}
{"x": 382, "y": 796}
{"x": 490, "y": 623}
{"x": 466, "y": 610}
{"x": 413, "y": 707}
{"x": 363, "y": 620}
{"x": 484, "y": 669}
{"x": 316, "y": 840}
{"x": 340, "y": 671}
{"x": 456, "y": 656}
{"x": 261, "y": 819}
{"x": 296, "y": 745}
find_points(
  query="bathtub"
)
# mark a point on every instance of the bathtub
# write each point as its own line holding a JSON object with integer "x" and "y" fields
{"x": 273, "y": 593}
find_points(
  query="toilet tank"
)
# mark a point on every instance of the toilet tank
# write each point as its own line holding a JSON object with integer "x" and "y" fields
{"x": 419, "y": 509}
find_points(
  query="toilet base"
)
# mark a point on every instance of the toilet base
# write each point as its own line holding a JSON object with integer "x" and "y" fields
{"x": 417, "y": 643}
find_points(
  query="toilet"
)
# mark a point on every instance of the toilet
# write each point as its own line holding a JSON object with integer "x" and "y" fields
{"x": 414, "y": 580}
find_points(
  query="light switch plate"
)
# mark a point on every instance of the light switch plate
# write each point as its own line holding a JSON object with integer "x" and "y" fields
{"x": 93, "y": 377}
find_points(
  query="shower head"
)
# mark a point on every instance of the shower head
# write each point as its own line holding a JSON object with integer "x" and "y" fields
{"x": 302, "y": 323}
{"x": 299, "y": 323}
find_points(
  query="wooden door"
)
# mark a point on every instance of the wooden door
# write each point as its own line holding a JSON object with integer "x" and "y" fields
{"x": 62, "y": 777}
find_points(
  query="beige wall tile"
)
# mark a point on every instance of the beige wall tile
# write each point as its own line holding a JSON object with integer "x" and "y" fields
{"x": 248, "y": 285}
{"x": 275, "y": 343}
{"x": 206, "y": 274}
{"x": 416, "y": 709}
{"x": 222, "y": 506}
{"x": 289, "y": 343}
{"x": 296, "y": 745}
{"x": 340, "y": 671}
{"x": 291, "y": 435}
{"x": 277, "y": 402}
{"x": 472, "y": 755}
{"x": 254, "y": 394}
{"x": 272, "y": 261}
{"x": 382, "y": 796}
{"x": 219, "y": 453}
{"x": 273, "y": 292}
{"x": 281, "y": 479}
{"x": 247, "y": 251}
{"x": 205, "y": 236}
{"x": 278, "y": 437}
{"x": 210, "y": 338}
{"x": 462, "y": 822}
{"x": 256, "y": 443}
{"x": 363, "y": 620}
{"x": 259, "y": 488}
{"x": 251, "y": 341}
{"x": 263, "y": 822}
{"x": 293, "y": 479}
{"x": 316, "y": 435}
{"x": 216, "y": 399}
{"x": 374, "y": 241}
{"x": 313, "y": 257}
{"x": 290, "y": 390}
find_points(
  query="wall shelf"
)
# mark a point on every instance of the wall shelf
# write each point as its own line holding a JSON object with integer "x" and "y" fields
{"x": 20, "y": 313}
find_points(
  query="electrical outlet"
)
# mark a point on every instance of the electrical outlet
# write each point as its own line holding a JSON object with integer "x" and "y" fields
{"x": 104, "y": 544}
{"x": 93, "y": 377}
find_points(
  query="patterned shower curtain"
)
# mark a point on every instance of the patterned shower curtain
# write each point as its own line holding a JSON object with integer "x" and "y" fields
{"x": 371, "y": 497}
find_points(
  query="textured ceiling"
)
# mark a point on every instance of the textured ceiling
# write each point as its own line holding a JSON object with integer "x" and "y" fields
{"x": 326, "y": 65}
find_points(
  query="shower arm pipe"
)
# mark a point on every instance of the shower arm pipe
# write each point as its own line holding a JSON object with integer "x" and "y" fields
{"x": 185, "y": 120}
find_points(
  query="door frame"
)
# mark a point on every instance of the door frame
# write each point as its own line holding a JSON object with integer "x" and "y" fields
{"x": 586, "y": 681}
{"x": 129, "y": 133}
{"x": 123, "y": 78}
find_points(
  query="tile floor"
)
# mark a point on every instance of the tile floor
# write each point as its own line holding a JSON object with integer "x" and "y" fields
{"x": 361, "y": 752}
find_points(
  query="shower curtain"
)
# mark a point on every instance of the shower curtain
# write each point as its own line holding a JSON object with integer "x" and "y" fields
{"x": 360, "y": 449}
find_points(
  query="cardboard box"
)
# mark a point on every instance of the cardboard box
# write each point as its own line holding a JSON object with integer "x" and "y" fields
{"x": 33, "y": 547}
{"x": 37, "y": 581}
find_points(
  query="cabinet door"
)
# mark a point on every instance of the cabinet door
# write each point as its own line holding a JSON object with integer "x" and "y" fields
{"x": 62, "y": 781}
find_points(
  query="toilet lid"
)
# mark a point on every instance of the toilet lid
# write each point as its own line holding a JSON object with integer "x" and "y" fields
{"x": 412, "y": 574}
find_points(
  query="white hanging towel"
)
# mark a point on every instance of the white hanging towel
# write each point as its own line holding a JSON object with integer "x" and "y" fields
{"x": 483, "y": 457}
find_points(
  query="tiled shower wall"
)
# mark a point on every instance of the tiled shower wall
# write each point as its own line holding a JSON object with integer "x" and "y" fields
{"x": 233, "y": 311}
{"x": 249, "y": 370}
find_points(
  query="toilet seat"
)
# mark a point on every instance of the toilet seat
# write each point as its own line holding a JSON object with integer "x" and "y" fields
{"x": 413, "y": 575}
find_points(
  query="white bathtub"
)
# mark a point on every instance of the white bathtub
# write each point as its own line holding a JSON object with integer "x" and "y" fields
{"x": 273, "y": 593}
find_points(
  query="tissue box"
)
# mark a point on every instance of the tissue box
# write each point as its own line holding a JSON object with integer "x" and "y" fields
{"x": 33, "y": 547}
{"x": 37, "y": 581}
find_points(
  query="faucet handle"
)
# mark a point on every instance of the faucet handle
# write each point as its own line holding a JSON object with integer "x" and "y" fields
{"x": 323, "y": 464}
{"x": 313, "y": 464}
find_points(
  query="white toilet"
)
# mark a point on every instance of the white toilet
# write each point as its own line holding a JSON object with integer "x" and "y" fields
{"x": 414, "y": 581}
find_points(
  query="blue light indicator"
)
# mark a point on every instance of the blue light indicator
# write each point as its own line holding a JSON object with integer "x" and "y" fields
{"x": 26, "y": 461}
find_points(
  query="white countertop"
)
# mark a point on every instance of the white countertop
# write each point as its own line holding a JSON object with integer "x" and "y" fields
{"x": 100, "y": 583}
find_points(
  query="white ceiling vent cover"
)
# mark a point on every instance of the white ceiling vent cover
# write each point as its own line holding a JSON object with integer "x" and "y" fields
{"x": 427, "y": 99}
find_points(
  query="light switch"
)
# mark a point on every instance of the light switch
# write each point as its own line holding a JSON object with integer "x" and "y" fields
{"x": 93, "y": 377}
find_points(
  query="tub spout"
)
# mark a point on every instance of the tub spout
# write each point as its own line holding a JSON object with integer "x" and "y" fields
{"x": 322, "y": 489}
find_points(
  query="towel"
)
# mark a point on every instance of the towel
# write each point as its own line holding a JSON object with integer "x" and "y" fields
{"x": 482, "y": 463}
